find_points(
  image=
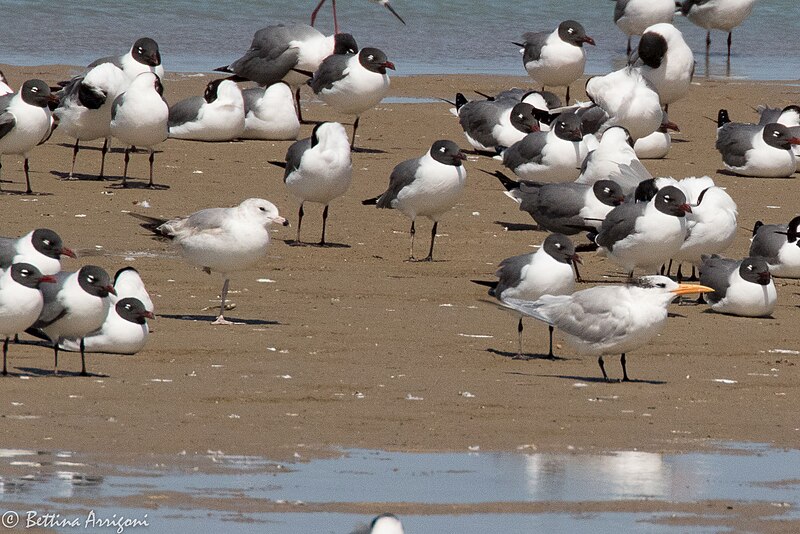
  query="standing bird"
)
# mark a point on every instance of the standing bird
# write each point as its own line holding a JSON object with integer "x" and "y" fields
{"x": 84, "y": 110}
{"x": 548, "y": 271}
{"x": 283, "y": 52}
{"x": 667, "y": 62}
{"x": 74, "y": 306}
{"x": 25, "y": 121}
{"x": 645, "y": 234}
{"x": 609, "y": 319}
{"x": 754, "y": 150}
{"x": 488, "y": 124}
{"x": 216, "y": 116}
{"x": 384, "y": 3}
{"x": 221, "y": 239}
{"x": 352, "y": 83}
{"x": 144, "y": 56}
{"x": 555, "y": 58}
{"x": 42, "y": 248}
{"x": 567, "y": 208}
{"x": 722, "y": 15}
{"x": 319, "y": 169}
{"x": 140, "y": 118}
{"x": 779, "y": 244}
{"x": 629, "y": 99}
{"x": 21, "y": 301}
{"x": 634, "y": 16}
{"x": 741, "y": 287}
{"x": 269, "y": 113}
{"x": 553, "y": 156}
{"x": 428, "y": 186}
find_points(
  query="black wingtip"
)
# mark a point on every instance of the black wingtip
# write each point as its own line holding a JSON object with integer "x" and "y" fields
{"x": 491, "y": 284}
{"x": 460, "y": 100}
{"x": 756, "y": 226}
{"x": 226, "y": 68}
{"x": 507, "y": 182}
{"x": 371, "y": 201}
{"x": 304, "y": 72}
{"x": 281, "y": 164}
{"x": 149, "y": 223}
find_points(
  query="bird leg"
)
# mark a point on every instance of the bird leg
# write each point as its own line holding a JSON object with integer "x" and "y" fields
{"x": 103, "y": 153}
{"x": 152, "y": 159}
{"x": 550, "y": 353}
{"x": 519, "y": 355}
{"x": 577, "y": 273}
{"x": 353, "y": 140}
{"x": 25, "y": 166}
{"x": 624, "y": 370}
{"x": 629, "y": 46}
{"x": 83, "y": 358}
{"x": 429, "y": 257}
{"x": 413, "y": 232}
{"x": 5, "y": 354}
{"x": 679, "y": 274}
{"x": 316, "y": 10}
{"x": 602, "y": 367}
{"x": 221, "y": 320}
{"x": 297, "y": 102}
{"x": 567, "y": 95}
{"x": 125, "y": 168}
{"x": 335, "y": 22}
{"x": 730, "y": 39}
{"x": 75, "y": 150}
{"x": 299, "y": 224}
{"x": 708, "y": 41}
{"x": 55, "y": 352}
{"x": 324, "y": 222}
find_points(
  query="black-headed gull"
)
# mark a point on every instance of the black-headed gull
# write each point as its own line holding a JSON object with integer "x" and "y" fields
{"x": 144, "y": 56}
{"x": 756, "y": 150}
{"x": 634, "y": 16}
{"x": 42, "y": 248}
{"x": 779, "y": 244}
{"x": 666, "y": 61}
{"x": 741, "y": 287}
{"x": 495, "y": 123}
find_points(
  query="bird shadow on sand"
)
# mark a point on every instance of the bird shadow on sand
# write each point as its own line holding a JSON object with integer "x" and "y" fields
{"x": 21, "y": 193}
{"x": 135, "y": 184}
{"x": 527, "y": 356}
{"x": 77, "y": 177}
{"x": 601, "y": 380}
{"x": 360, "y": 150}
{"x": 36, "y": 371}
{"x": 98, "y": 148}
{"x": 211, "y": 319}
{"x": 518, "y": 227}
{"x": 293, "y": 243}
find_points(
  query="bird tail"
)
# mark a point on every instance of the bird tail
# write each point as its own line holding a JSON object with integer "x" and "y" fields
{"x": 281, "y": 164}
{"x": 371, "y": 201}
{"x": 756, "y": 226}
{"x": 304, "y": 72}
{"x": 152, "y": 224}
{"x": 226, "y": 68}
{"x": 532, "y": 308}
{"x": 506, "y": 182}
{"x": 491, "y": 284}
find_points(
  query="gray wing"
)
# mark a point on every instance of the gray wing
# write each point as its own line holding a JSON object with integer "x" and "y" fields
{"x": 619, "y": 224}
{"x": 559, "y": 207}
{"x": 769, "y": 115}
{"x": 7, "y": 123}
{"x": 52, "y": 310}
{"x": 270, "y": 57}
{"x": 478, "y": 119}
{"x": 734, "y": 140}
{"x": 715, "y": 272}
{"x": 8, "y": 250}
{"x": 527, "y": 150}
{"x": 586, "y": 162}
{"x": 294, "y": 155}
{"x": 402, "y": 175}
{"x": 533, "y": 41}
{"x": 592, "y": 119}
{"x": 207, "y": 219}
{"x": 5, "y": 100}
{"x": 185, "y": 111}
{"x": 251, "y": 98}
{"x": 509, "y": 272}
{"x": 116, "y": 60}
{"x": 619, "y": 9}
{"x": 116, "y": 104}
{"x": 330, "y": 71}
{"x": 768, "y": 242}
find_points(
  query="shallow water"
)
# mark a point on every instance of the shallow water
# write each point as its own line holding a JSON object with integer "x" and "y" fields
{"x": 69, "y": 485}
{"x": 446, "y": 36}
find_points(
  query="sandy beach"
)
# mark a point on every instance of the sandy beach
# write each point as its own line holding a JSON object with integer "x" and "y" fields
{"x": 352, "y": 346}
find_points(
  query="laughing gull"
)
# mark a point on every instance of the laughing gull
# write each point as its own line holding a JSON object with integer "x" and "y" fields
{"x": 789, "y": 117}
{"x": 225, "y": 240}
{"x": 144, "y": 56}
{"x": 216, "y": 116}
{"x": 42, "y": 248}
{"x": 741, "y": 287}
{"x": 319, "y": 169}
{"x": 567, "y": 208}
{"x": 139, "y": 118}
{"x": 124, "y": 330}
{"x": 84, "y": 110}
{"x": 428, "y": 186}
{"x": 495, "y": 123}
{"x": 614, "y": 151}
{"x": 548, "y": 271}
{"x": 269, "y": 113}
{"x": 21, "y": 301}
{"x": 128, "y": 283}
{"x": 634, "y": 16}
{"x": 352, "y": 83}
{"x": 25, "y": 121}
{"x": 666, "y": 61}
{"x": 278, "y": 52}
{"x": 756, "y": 150}
{"x": 74, "y": 306}
{"x": 557, "y": 58}
{"x": 384, "y": 3}
{"x": 779, "y": 245}
{"x": 609, "y": 319}
{"x": 553, "y": 156}
{"x": 645, "y": 234}
{"x": 629, "y": 99}
{"x": 657, "y": 144}
{"x": 722, "y": 15}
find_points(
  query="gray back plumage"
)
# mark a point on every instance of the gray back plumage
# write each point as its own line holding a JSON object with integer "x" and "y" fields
{"x": 269, "y": 57}
{"x": 114, "y": 60}
{"x": 294, "y": 155}
{"x": 402, "y": 175}
{"x": 769, "y": 115}
{"x": 767, "y": 242}
{"x": 619, "y": 9}
{"x": 52, "y": 310}
{"x": 734, "y": 139}
{"x": 527, "y": 150}
{"x": 251, "y": 97}
{"x": 7, "y": 251}
{"x": 715, "y": 272}
{"x": 330, "y": 71}
{"x": 533, "y": 43}
{"x": 509, "y": 272}
{"x": 185, "y": 111}
{"x": 619, "y": 224}
{"x": 555, "y": 207}
{"x": 478, "y": 118}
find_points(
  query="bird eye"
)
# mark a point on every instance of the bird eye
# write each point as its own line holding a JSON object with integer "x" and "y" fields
{"x": 442, "y": 150}
{"x": 606, "y": 190}
{"x": 661, "y": 285}
{"x": 46, "y": 242}
{"x": 370, "y": 57}
{"x": 262, "y": 208}
{"x": 127, "y": 306}
{"x": 34, "y": 89}
{"x": 139, "y": 49}
{"x": 558, "y": 245}
{"x": 749, "y": 267}
{"x": 90, "y": 278}
{"x": 570, "y": 30}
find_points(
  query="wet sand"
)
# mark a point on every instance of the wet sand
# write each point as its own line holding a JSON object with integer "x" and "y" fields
{"x": 352, "y": 346}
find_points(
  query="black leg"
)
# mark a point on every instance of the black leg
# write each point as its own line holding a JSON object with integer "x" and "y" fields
{"x": 519, "y": 333}
{"x": 701, "y": 299}
{"x": 103, "y": 153}
{"x": 353, "y": 140}
{"x": 413, "y": 232}
{"x": 629, "y": 46}
{"x": 324, "y": 222}
{"x": 5, "y": 355}
{"x": 55, "y": 352}
{"x": 152, "y": 159}
{"x": 27, "y": 177}
{"x": 666, "y": 108}
{"x": 577, "y": 272}
{"x": 75, "y": 150}
{"x": 125, "y": 167}
{"x": 624, "y": 370}
{"x": 602, "y": 365}
{"x": 299, "y": 223}
{"x": 694, "y": 276}
{"x": 297, "y": 104}
{"x": 730, "y": 39}
{"x": 550, "y": 354}
{"x": 83, "y": 359}
{"x": 679, "y": 274}
{"x": 567, "y": 95}
{"x": 433, "y": 238}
